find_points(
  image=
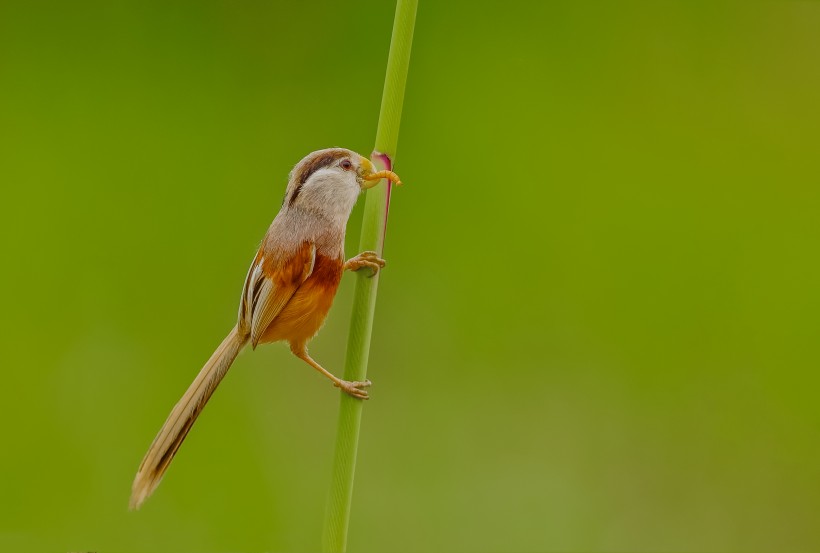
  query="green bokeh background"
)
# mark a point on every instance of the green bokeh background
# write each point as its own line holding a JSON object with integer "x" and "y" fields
{"x": 598, "y": 329}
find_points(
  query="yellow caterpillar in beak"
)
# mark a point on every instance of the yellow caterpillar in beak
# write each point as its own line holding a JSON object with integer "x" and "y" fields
{"x": 390, "y": 175}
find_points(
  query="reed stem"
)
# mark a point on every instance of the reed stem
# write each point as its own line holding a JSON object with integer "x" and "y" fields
{"x": 374, "y": 225}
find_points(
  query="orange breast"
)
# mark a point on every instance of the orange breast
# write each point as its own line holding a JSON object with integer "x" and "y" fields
{"x": 305, "y": 313}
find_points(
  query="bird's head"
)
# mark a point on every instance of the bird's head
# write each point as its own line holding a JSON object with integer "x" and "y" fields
{"x": 329, "y": 182}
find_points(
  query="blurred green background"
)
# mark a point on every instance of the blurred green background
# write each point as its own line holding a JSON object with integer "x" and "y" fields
{"x": 598, "y": 330}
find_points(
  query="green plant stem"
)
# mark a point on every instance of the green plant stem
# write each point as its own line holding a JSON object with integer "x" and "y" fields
{"x": 374, "y": 224}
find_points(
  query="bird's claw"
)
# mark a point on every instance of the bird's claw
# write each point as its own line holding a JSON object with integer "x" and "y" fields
{"x": 354, "y": 389}
{"x": 368, "y": 259}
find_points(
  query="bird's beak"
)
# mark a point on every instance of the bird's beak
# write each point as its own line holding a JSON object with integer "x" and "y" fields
{"x": 370, "y": 177}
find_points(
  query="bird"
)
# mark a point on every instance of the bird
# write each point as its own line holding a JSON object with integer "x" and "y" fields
{"x": 288, "y": 290}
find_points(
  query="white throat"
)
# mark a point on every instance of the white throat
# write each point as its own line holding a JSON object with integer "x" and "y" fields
{"x": 330, "y": 194}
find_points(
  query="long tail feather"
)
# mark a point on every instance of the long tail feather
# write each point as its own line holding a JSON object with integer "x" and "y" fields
{"x": 182, "y": 418}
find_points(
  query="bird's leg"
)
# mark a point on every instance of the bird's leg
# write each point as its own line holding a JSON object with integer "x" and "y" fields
{"x": 367, "y": 259}
{"x": 355, "y": 389}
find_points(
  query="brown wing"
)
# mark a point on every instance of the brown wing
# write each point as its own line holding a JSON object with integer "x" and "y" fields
{"x": 270, "y": 283}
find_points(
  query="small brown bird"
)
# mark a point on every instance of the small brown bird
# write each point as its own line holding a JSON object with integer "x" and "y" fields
{"x": 288, "y": 291}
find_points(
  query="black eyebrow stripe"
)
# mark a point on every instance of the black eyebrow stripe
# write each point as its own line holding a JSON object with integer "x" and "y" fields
{"x": 295, "y": 193}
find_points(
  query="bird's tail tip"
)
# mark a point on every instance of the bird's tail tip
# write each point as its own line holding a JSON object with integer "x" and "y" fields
{"x": 140, "y": 491}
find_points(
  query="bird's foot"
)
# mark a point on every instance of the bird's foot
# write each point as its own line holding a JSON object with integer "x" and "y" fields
{"x": 368, "y": 259}
{"x": 355, "y": 389}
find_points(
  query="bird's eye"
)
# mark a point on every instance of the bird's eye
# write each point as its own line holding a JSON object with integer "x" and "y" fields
{"x": 346, "y": 165}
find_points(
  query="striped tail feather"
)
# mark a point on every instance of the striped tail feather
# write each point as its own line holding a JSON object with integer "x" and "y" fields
{"x": 183, "y": 416}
